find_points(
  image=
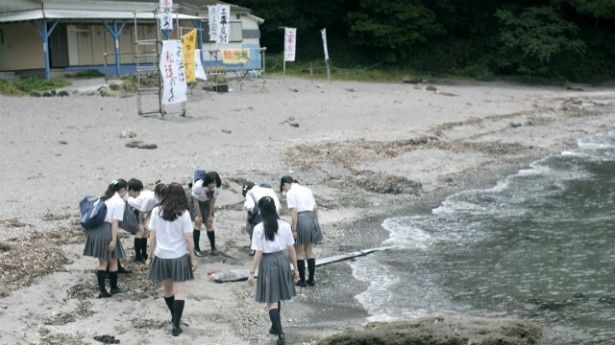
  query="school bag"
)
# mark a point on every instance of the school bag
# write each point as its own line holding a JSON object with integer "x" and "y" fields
{"x": 199, "y": 174}
{"x": 93, "y": 211}
{"x": 255, "y": 216}
{"x": 130, "y": 220}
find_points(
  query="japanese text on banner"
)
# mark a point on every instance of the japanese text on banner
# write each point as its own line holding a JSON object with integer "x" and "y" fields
{"x": 189, "y": 45}
{"x": 235, "y": 56}
{"x": 224, "y": 27}
{"x": 166, "y": 15}
{"x": 219, "y": 23}
{"x": 212, "y": 15}
{"x": 172, "y": 71}
{"x": 290, "y": 43}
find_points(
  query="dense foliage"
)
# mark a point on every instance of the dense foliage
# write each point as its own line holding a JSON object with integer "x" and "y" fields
{"x": 569, "y": 39}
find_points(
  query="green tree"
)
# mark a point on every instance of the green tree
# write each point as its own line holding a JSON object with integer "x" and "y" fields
{"x": 533, "y": 38}
{"x": 393, "y": 25}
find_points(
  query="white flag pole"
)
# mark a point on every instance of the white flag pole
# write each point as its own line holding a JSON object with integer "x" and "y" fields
{"x": 323, "y": 32}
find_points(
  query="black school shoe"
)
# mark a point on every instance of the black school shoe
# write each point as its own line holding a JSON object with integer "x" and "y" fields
{"x": 123, "y": 270}
{"x": 198, "y": 253}
{"x": 116, "y": 291}
{"x": 104, "y": 294}
{"x": 214, "y": 252}
{"x": 176, "y": 330}
{"x": 281, "y": 339}
{"x": 301, "y": 283}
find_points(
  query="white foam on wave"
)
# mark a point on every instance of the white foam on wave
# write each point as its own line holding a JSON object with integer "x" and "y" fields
{"x": 376, "y": 298}
{"x": 403, "y": 233}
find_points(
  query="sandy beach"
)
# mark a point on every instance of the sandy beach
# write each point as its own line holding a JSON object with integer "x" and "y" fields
{"x": 366, "y": 150}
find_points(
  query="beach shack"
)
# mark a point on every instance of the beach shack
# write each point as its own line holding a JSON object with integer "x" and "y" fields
{"x": 45, "y": 37}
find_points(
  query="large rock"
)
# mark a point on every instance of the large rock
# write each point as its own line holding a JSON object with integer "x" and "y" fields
{"x": 443, "y": 330}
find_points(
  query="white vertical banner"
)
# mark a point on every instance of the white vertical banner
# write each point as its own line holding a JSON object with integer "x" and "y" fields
{"x": 290, "y": 43}
{"x": 172, "y": 71}
{"x": 166, "y": 15}
{"x": 199, "y": 71}
{"x": 212, "y": 16}
{"x": 323, "y": 32}
{"x": 224, "y": 24}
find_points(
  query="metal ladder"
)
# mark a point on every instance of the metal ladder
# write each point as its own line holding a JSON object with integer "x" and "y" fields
{"x": 148, "y": 69}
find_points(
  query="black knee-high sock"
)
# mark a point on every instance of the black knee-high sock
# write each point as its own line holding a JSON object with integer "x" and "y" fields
{"x": 311, "y": 263}
{"x": 212, "y": 239}
{"x": 196, "y": 236}
{"x": 170, "y": 301}
{"x": 276, "y": 322}
{"x": 113, "y": 279}
{"x": 138, "y": 255}
{"x": 178, "y": 309}
{"x": 100, "y": 276}
{"x": 144, "y": 248}
{"x": 301, "y": 269}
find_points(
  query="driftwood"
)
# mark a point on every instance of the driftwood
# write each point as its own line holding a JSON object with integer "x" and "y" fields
{"x": 240, "y": 274}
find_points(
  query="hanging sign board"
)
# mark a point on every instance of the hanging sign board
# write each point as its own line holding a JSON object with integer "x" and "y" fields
{"x": 235, "y": 56}
{"x": 172, "y": 72}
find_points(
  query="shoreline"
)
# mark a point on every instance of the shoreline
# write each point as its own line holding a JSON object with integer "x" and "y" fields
{"x": 443, "y": 142}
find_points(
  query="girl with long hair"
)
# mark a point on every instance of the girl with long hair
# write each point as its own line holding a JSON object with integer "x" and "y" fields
{"x": 170, "y": 239}
{"x": 275, "y": 281}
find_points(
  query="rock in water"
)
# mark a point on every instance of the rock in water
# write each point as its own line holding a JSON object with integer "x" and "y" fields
{"x": 443, "y": 330}
{"x": 431, "y": 88}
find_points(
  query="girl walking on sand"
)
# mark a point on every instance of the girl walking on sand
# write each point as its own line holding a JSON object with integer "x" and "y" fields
{"x": 304, "y": 225}
{"x": 103, "y": 243}
{"x": 204, "y": 192}
{"x": 275, "y": 280}
{"x": 173, "y": 250}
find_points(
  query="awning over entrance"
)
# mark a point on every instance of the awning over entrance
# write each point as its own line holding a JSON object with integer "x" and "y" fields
{"x": 54, "y": 14}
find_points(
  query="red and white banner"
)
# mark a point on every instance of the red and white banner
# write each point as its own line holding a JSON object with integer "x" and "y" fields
{"x": 173, "y": 74}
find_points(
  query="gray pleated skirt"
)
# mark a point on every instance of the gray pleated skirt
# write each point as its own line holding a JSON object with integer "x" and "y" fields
{"x": 275, "y": 280}
{"x": 308, "y": 230}
{"x": 97, "y": 241}
{"x": 204, "y": 208}
{"x": 177, "y": 270}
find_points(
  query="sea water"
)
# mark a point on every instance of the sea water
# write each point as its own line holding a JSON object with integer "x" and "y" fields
{"x": 539, "y": 245}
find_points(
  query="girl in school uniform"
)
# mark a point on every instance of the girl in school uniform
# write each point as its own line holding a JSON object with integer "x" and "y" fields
{"x": 103, "y": 242}
{"x": 142, "y": 202}
{"x": 275, "y": 281}
{"x": 204, "y": 193}
{"x": 304, "y": 224}
{"x": 253, "y": 193}
{"x": 173, "y": 250}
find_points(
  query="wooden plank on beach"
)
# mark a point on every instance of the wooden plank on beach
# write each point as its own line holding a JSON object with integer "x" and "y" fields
{"x": 240, "y": 274}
